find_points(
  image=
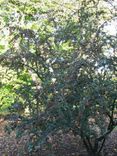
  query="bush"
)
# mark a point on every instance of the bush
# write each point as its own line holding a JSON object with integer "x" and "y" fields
{"x": 69, "y": 77}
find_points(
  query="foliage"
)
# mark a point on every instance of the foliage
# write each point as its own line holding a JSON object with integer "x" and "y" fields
{"x": 66, "y": 75}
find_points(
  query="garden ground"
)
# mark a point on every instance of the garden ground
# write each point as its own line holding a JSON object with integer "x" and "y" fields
{"x": 63, "y": 145}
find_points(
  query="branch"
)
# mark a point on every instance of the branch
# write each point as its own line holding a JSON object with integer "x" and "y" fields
{"x": 101, "y": 145}
{"x": 35, "y": 71}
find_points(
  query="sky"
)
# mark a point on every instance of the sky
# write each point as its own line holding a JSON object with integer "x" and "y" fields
{"x": 111, "y": 27}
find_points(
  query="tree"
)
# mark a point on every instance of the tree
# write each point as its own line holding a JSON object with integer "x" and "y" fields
{"x": 60, "y": 50}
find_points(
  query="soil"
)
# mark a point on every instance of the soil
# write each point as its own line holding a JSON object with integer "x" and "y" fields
{"x": 66, "y": 145}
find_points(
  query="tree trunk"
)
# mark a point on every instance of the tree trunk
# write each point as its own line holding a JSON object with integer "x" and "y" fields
{"x": 93, "y": 153}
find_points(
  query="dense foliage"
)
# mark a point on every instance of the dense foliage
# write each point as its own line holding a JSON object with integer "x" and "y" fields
{"x": 60, "y": 65}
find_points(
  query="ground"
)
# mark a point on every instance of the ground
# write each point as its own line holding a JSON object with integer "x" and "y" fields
{"x": 70, "y": 145}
